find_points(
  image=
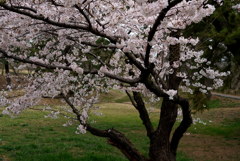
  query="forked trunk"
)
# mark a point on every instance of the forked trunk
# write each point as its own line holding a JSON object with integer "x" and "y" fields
{"x": 160, "y": 149}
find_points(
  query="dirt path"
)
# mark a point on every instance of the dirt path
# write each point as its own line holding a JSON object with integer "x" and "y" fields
{"x": 210, "y": 148}
{"x": 226, "y": 95}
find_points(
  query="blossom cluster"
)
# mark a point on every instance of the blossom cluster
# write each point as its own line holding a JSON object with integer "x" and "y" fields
{"x": 79, "y": 48}
{"x": 237, "y": 7}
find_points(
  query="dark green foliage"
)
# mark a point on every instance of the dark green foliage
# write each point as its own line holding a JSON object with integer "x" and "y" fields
{"x": 102, "y": 41}
{"x": 219, "y": 36}
{"x": 222, "y": 27}
{"x": 199, "y": 100}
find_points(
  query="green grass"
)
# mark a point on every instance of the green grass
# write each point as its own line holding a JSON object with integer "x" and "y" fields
{"x": 183, "y": 157}
{"x": 122, "y": 99}
{"x": 227, "y": 129}
{"x": 222, "y": 102}
{"x": 216, "y": 103}
{"x": 114, "y": 96}
{"x": 31, "y": 137}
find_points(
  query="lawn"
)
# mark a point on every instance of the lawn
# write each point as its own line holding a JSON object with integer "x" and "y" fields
{"x": 32, "y": 137}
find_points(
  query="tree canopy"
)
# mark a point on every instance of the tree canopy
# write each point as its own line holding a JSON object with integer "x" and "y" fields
{"x": 80, "y": 48}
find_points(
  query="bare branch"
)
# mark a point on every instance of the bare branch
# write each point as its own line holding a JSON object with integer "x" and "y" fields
{"x": 139, "y": 104}
{"x": 25, "y": 8}
{"x": 55, "y": 3}
{"x": 131, "y": 99}
{"x": 96, "y": 57}
{"x": 84, "y": 15}
{"x": 153, "y": 87}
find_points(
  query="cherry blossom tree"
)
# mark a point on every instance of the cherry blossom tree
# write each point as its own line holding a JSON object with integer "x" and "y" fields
{"x": 80, "y": 48}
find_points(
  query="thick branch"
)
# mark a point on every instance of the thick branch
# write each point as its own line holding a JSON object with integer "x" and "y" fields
{"x": 122, "y": 79}
{"x": 174, "y": 55}
{"x": 56, "y": 4}
{"x": 153, "y": 87}
{"x": 118, "y": 140}
{"x": 134, "y": 61}
{"x": 115, "y": 137}
{"x": 25, "y": 8}
{"x": 140, "y": 106}
{"x": 153, "y": 30}
{"x": 159, "y": 80}
{"x": 184, "y": 125}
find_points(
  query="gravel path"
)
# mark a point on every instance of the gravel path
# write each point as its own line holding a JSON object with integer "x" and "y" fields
{"x": 226, "y": 95}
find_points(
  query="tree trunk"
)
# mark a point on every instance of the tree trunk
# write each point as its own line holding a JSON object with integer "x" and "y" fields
{"x": 160, "y": 149}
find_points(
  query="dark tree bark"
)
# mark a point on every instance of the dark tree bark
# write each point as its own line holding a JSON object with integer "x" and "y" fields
{"x": 161, "y": 148}
{"x": 160, "y": 144}
{"x": 7, "y": 72}
{"x": 184, "y": 125}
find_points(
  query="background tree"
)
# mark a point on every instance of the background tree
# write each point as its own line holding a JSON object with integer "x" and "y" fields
{"x": 219, "y": 35}
{"x": 92, "y": 46}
